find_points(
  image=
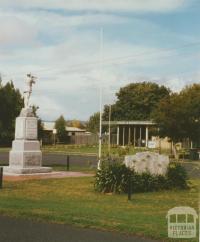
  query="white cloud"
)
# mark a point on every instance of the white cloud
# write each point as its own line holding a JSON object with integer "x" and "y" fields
{"x": 63, "y": 51}
{"x": 66, "y": 87}
{"x": 15, "y": 31}
{"x": 99, "y": 5}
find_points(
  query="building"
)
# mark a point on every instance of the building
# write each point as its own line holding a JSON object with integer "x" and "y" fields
{"x": 131, "y": 132}
{"x": 50, "y": 132}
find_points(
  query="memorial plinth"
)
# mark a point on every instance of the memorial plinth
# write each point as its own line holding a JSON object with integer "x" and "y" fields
{"x": 26, "y": 156}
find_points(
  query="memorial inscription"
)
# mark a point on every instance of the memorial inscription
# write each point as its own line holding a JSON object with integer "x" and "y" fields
{"x": 31, "y": 128}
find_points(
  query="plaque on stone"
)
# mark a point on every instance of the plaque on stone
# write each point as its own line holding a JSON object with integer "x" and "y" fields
{"x": 31, "y": 128}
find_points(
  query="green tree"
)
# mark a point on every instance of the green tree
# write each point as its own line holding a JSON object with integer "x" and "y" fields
{"x": 60, "y": 125}
{"x": 137, "y": 101}
{"x": 40, "y": 124}
{"x": 11, "y": 103}
{"x": 178, "y": 116}
{"x": 93, "y": 123}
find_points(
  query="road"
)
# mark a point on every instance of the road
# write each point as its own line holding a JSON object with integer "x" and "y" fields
{"x": 50, "y": 159}
{"x": 21, "y": 230}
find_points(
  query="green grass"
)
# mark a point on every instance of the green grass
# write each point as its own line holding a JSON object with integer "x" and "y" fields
{"x": 86, "y": 168}
{"x": 5, "y": 149}
{"x": 73, "y": 201}
{"x": 86, "y": 149}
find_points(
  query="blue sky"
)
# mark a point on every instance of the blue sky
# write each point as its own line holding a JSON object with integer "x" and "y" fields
{"x": 59, "y": 42}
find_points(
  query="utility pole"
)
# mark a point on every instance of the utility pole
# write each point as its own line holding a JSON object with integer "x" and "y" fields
{"x": 100, "y": 96}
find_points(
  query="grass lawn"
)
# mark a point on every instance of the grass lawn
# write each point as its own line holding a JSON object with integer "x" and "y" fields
{"x": 86, "y": 168}
{"x": 5, "y": 149}
{"x": 86, "y": 149}
{"x": 89, "y": 149}
{"x": 73, "y": 201}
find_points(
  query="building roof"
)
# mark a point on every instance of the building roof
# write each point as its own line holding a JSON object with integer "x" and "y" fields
{"x": 49, "y": 126}
{"x": 135, "y": 122}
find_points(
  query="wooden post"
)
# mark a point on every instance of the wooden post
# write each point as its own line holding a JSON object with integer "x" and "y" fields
{"x": 67, "y": 162}
{"x": 129, "y": 187}
{"x": 1, "y": 177}
{"x": 134, "y": 136}
{"x": 129, "y": 135}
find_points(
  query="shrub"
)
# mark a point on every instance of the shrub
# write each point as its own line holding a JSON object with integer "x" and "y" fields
{"x": 112, "y": 177}
{"x": 176, "y": 176}
{"x": 115, "y": 177}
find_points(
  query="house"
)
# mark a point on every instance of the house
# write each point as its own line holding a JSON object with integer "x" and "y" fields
{"x": 50, "y": 132}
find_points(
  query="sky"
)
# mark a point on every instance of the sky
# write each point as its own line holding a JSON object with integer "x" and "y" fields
{"x": 59, "y": 42}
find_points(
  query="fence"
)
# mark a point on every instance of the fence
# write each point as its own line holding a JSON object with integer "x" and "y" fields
{"x": 91, "y": 139}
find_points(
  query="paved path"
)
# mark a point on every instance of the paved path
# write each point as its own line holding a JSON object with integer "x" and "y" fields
{"x": 20, "y": 230}
{"x": 55, "y": 174}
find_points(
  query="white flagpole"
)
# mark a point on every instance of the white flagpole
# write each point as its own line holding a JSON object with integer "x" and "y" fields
{"x": 100, "y": 95}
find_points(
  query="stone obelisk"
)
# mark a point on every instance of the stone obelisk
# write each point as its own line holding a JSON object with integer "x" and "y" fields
{"x": 26, "y": 156}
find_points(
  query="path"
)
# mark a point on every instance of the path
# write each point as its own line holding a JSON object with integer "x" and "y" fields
{"x": 55, "y": 174}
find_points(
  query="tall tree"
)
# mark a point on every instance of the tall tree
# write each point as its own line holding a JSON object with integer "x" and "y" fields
{"x": 137, "y": 101}
{"x": 11, "y": 103}
{"x": 178, "y": 116}
{"x": 93, "y": 123}
{"x": 40, "y": 124}
{"x": 60, "y": 125}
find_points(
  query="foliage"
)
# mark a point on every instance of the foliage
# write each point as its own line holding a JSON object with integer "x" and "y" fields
{"x": 75, "y": 123}
{"x": 11, "y": 103}
{"x": 60, "y": 127}
{"x": 93, "y": 123}
{"x": 40, "y": 124}
{"x": 176, "y": 176}
{"x": 178, "y": 116}
{"x": 136, "y": 101}
{"x": 114, "y": 177}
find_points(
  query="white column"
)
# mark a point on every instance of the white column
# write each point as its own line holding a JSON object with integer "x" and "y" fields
{"x": 140, "y": 136}
{"x": 123, "y": 135}
{"x": 147, "y": 136}
{"x": 134, "y": 136}
{"x": 129, "y": 135}
{"x": 117, "y": 135}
